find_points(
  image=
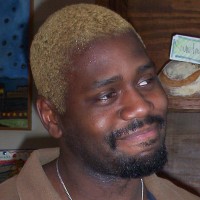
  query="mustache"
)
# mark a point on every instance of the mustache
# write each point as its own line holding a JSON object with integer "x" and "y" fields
{"x": 134, "y": 125}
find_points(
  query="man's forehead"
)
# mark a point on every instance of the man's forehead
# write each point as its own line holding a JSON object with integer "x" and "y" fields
{"x": 101, "y": 49}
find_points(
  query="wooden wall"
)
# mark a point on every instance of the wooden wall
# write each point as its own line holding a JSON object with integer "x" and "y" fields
{"x": 183, "y": 143}
{"x": 157, "y": 21}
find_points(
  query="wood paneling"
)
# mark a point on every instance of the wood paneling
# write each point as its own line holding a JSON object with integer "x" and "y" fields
{"x": 119, "y": 6}
{"x": 183, "y": 143}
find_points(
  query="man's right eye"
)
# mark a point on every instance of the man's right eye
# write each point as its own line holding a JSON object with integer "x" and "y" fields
{"x": 106, "y": 97}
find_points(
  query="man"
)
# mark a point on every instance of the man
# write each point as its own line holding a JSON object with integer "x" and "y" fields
{"x": 100, "y": 97}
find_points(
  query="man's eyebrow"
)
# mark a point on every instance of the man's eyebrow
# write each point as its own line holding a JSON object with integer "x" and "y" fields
{"x": 149, "y": 65}
{"x": 104, "y": 82}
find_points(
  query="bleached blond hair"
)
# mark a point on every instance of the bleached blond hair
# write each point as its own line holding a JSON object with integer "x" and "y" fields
{"x": 68, "y": 29}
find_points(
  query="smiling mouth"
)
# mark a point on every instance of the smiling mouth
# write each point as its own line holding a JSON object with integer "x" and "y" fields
{"x": 139, "y": 127}
{"x": 143, "y": 140}
{"x": 145, "y": 131}
{"x": 147, "y": 137}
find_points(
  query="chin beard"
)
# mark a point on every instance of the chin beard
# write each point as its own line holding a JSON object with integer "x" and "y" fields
{"x": 137, "y": 166}
{"x": 130, "y": 167}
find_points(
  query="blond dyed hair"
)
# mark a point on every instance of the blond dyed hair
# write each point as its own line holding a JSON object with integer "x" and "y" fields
{"x": 64, "y": 32}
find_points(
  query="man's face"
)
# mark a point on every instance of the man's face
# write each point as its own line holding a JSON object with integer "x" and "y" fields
{"x": 116, "y": 110}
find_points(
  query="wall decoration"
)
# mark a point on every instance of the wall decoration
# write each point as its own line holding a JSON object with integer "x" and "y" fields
{"x": 181, "y": 82}
{"x": 14, "y": 64}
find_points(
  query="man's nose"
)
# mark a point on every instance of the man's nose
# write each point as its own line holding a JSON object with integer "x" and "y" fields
{"x": 135, "y": 105}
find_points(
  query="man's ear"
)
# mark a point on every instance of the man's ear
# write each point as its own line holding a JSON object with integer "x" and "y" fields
{"x": 48, "y": 116}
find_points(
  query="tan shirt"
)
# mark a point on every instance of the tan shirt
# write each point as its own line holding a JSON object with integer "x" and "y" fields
{"x": 33, "y": 184}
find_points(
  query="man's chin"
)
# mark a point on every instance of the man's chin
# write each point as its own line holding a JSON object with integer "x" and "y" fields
{"x": 148, "y": 163}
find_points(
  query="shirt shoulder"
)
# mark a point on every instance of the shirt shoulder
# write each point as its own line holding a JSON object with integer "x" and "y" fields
{"x": 163, "y": 189}
{"x": 8, "y": 189}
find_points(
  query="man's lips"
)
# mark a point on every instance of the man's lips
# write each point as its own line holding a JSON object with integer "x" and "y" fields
{"x": 143, "y": 140}
{"x": 141, "y": 134}
{"x": 137, "y": 132}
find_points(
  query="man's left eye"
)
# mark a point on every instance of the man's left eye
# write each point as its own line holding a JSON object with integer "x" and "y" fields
{"x": 146, "y": 82}
{"x": 143, "y": 83}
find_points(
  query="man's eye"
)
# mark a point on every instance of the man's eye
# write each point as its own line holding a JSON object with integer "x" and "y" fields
{"x": 107, "y": 96}
{"x": 143, "y": 83}
{"x": 146, "y": 82}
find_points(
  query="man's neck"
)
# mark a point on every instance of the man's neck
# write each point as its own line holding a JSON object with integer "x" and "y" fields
{"x": 85, "y": 185}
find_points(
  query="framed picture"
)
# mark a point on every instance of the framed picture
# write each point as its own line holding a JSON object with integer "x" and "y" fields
{"x": 15, "y": 109}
